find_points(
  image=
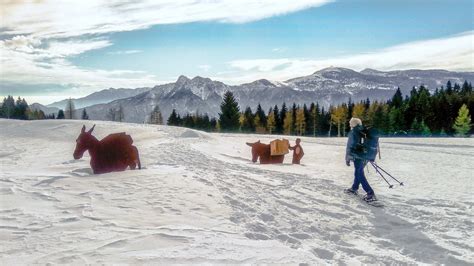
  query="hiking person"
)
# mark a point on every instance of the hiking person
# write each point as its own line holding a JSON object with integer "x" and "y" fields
{"x": 353, "y": 141}
{"x": 297, "y": 152}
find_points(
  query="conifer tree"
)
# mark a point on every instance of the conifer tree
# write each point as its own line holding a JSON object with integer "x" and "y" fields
{"x": 8, "y": 107}
{"x": 21, "y": 109}
{"x": 60, "y": 114}
{"x": 188, "y": 121}
{"x": 281, "y": 118}
{"x": 397, "y": 99}
{"x": 307, "y": 121}
{"x": 229, "y": 115}
{"x": 173, "y": 119}
{"x": 349, "y": 108}
{"x": 396, "y": 122}
{"x": 17, "y": 112}
{"x": 248, "y": 124}
{"x": 377, "y": 116}
{"x": 84, "y": 115}
{"x": 314, "y": 118}
{"x": 367, "y": 103}
{"x": 449, "y": 87}
{"x": 205, "y": 122}
{"x": 213, "y": 124}
{"x": 457, "y": 88}
{"x": 423, "y": 103}
{"x": 466, "y": 88}
{"x": 462, "y": 125}
{"x": 276, "y": 116}
{"x": 261, "y": 115}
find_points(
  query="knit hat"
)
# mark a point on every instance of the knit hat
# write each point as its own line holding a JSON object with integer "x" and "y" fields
{"x": 355, "y": 122}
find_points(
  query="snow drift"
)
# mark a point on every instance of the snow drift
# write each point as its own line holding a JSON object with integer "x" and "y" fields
{"x": 199, "y": 199}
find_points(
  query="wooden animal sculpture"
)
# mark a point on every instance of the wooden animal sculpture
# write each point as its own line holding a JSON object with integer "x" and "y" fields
{"x": 262, "y": 151}
{"x": 298, "y": 152}
{"x": 113, "y": 153}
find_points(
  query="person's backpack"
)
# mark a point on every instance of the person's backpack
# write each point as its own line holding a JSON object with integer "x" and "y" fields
{"x": 368, "y": 146}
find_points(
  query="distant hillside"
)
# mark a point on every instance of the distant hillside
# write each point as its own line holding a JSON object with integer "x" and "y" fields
{"x": 327, "y": 86}
{"x": 46, "y": 110}
{"x": 103, "y": 96}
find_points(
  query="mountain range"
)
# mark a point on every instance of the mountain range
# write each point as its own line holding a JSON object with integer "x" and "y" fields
{"x": 102, "y": 96}
{"x": 202, "y": 95}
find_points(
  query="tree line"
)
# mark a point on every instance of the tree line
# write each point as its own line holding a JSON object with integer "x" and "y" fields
{"x": 20, "y": 109}
{"x": 445, "y": 112}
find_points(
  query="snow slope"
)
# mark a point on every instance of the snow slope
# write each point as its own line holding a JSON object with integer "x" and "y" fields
{"x": 199, "y": 199}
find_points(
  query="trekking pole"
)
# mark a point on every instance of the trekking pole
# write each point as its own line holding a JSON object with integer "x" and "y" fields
{"x": 377, "y": 170}
{"x": 401, "y": 183}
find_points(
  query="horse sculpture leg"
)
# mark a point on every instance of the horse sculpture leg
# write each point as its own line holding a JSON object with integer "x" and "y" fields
{"x": 280, "y": 160}
{"x": 135, "y": 159}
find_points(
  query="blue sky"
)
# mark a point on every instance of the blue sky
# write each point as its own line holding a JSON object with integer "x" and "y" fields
{"x": 118, "y": 44}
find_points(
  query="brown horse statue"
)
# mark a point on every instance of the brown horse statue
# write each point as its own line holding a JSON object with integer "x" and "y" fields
{"x": 262, "y": 151}
{"x": 113, "y": 153}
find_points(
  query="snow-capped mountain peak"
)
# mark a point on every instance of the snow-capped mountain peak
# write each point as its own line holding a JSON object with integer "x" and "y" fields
{"x": 326, "y": 86}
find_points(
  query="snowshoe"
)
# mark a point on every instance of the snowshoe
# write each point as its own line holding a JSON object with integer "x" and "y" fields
{"x": 350, "y": 191}
{"x": 370, "y": 198}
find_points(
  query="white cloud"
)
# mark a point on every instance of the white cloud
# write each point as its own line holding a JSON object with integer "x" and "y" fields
{"x": 125, "y": 52}
{"x": 75, "y": 18}
{"x": 74, "y": 47}
{"x": 47, "y": 33}
{"x": 50, "y": 66}
{"x": 261, "y": 65}
{"x": 452, "y": 53}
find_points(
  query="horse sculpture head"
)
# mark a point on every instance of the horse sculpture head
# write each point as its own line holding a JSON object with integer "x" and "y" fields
{"x": 84, "y": 142}
{"x": 255, "y": 150}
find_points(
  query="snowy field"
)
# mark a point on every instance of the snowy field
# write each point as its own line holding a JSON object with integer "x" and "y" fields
{"x": 199, "y": 199}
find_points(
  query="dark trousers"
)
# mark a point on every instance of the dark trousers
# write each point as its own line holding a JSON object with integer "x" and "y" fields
{"x": 359, "y": 177}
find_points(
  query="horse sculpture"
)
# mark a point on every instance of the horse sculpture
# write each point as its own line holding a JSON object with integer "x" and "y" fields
{"x": 263, "y": 152}
{"x": 113, "y": 153}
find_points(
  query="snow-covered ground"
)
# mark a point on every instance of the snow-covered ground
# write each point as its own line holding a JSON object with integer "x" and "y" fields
{"x": 199, "y": 199}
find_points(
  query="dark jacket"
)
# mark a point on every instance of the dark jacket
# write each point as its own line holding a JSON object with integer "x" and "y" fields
{"x": 353, "y": 138}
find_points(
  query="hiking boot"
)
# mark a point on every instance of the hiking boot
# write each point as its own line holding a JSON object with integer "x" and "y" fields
{"x": 370, "y": 197}
{"x": 350, "y": 191}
